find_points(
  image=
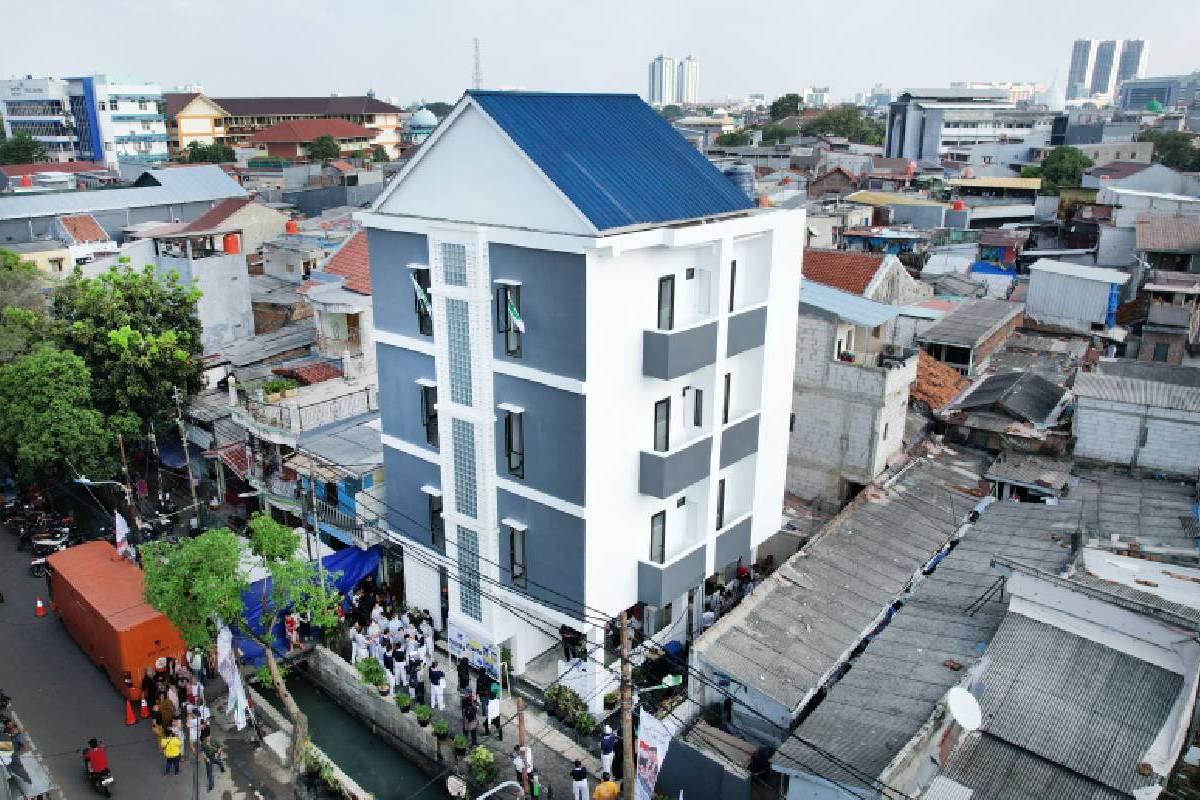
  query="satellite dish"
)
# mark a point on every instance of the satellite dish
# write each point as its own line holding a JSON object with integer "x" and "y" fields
{"x": 456, "y": 786}
{"x": 964, "y": 708}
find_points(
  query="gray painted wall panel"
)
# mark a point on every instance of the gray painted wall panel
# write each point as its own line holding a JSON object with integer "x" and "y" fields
{"x": 690, "y": 770}
{"x": 739, "y": 441}
{"x": 746, "y": 330}
{"x": 732, "y": 544}
{"x": 658, "y": 584}
{"x": 391, "y": 284}
{"x": 555, "y": 547}
{"x": 662, "y": 476}
{"x": 407, "y": 506}
{"x": 399, "y": 394}
{"x": 669, "y": 354}
{"x": 555, "y": 443}
{"x": 553, "y": 307}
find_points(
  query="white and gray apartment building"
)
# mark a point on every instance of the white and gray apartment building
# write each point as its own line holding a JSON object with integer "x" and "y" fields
{"x": 89, "y": 118}
{"x": 925, "y": 124}
{"x": 591, "y": 414}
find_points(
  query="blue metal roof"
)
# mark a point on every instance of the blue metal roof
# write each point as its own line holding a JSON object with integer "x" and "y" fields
{"x": 850, "y": 307}
{"x": 613, "y": 157}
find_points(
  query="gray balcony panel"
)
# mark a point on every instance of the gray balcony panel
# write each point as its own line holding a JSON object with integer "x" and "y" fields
{"x": 664, "y": 475}
{"x": 733, "y": 543}
{"x": 669, "y": 354}
{"x": 659, "y": 584}
{"x": 739, "y": 440}
{"x": 747, "y": 330}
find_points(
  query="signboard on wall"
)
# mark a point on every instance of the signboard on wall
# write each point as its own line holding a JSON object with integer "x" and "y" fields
{"x": 653, "y": 740}
{"x": 478, "y": 654}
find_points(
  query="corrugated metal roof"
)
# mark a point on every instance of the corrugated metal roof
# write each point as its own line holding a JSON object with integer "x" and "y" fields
{"x": 891, "y": 199}
{"x": 1137, "y": 392}
{"x": 192, "y": 184}
{"x": 971, "y": 323}
{"x": 1145, "y": 510}
{"x": 995, "y": 769}
{"x": 1168, "y": 233}
{"x": 1080, "y": 271}
{"x": 997, "y": 182}
{"x": 614, "y": 158}
{"x": 1052, "y": 474}
{"x": 844, "y": 305}
{"x": 1021, "y": 395}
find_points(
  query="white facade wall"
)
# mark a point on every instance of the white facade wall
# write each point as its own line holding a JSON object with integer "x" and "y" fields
{"x": 1130, "y": 204}
{"x": 894, "y": 286}
{"x": 1141, "y": 436}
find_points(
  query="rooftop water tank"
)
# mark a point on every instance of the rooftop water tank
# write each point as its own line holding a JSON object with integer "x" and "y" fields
{"x": 742, "y": 175}
{"x": 231, "y": 245}
{"x": 291, "y": 226}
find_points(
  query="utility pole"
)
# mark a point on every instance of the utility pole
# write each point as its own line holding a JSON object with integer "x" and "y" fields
{"x": 626, "y": 712}
{"x": 521, "y": 743}
{"x": 316, "y": 523}
{"x": 187, "y": 460}
{"x": 130, "y": 508}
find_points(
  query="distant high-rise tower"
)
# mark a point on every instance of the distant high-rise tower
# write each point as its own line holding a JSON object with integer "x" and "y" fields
{"x": 1133, "y": 59}
{"x": 1083, "y": 59}
{"x": 687, "y": 84}
{"x": 662, "y": 81}
{"x": 1104, "y": 70}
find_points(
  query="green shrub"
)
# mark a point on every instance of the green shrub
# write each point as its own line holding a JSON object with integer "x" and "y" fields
{"x": 440, "y": 727}
{"x": 585, "y": 723}
{"x": 262, "y": 676}
{"x": 460, "y": 741}
{"x": 372, "y": 672}
{"x": 482, "y": 765}
{"x": 611, "y": 699}
{"x": 403, "y": 701}
{"x": 422, "y": 713}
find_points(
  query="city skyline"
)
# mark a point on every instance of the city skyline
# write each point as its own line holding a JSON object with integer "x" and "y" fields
{"x": 608, "y": 53}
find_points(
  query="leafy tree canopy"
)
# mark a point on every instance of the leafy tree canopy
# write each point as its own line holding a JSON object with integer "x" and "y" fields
{"x": 215, "y": 153}
{"x": 323, "y": 148}
{"x": 21, "y": 148}
{"x": 1173, "y": 149}
{"x": 440, "y": 110}
{"x": 773, "y": 134}
{"x": 733, "y": 139}
{"x": 848, "y": 122}
{"x": 786, "y": 106}
{"x": 49, "y": 425}
{"x": 23, "y": 305}
{"x": 671, "y": 111}
{"x": 379, "y": 154}
{"x": 138, "y": 330}
{"x": 1062, "y": 168}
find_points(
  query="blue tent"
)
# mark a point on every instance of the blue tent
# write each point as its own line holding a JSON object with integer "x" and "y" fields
{"x": 352, "y": 564}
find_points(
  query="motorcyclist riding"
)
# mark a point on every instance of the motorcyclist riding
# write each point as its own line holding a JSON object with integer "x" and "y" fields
{"x": 96, "y": 756}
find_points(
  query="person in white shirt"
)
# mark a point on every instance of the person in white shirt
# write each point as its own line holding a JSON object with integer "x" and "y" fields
{"x": 707, "y": 620}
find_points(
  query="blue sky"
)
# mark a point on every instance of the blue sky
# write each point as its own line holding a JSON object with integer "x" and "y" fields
{"x": 415, "y": 50}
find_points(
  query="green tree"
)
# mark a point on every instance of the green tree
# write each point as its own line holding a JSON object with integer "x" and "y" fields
{"x": 215, "y": 153}
{"x": 323, "y": 148}
{"x": 21, "y": 149}
{"x": 671, "y": 112}
{"x": 440, "y": 110}
{"x": 772, "y": 134}
{"x": 1173, "y": 149}
{"x": 379, "y": 154}
{"x": 848, "y": 122}
{"x": 138, "y": 330}
{"x": 49, "y": 419}
{"x": 1062, "y": 168}
{"x": 198, "y": 580}
{"x": 787, "y": 105}
{"x": 23, "y": 305}
{"x": 733, "y": 139}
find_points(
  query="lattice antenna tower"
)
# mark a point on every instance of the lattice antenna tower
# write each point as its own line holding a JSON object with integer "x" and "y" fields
{"x": 477, "y": 74}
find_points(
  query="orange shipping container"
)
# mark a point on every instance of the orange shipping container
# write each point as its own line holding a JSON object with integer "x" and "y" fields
{"x": 98, "y": 596}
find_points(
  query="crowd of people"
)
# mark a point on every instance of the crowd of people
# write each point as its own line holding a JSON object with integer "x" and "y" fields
{"x": 720, "y": 599}
{"x": 174, "y": 693}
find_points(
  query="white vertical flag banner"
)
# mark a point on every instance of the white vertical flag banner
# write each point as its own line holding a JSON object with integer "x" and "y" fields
{"x": 227, "y": 666}
{"x": 121, "y": 530}
{"x": 513, "y": 314}
{"x": 653, "y": 741}
{"x": 421, "y": 298}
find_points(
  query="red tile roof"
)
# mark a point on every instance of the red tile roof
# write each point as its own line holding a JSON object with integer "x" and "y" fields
{"x": 1115, "y": 170}
{"x": 17, "y": 170}
{"x": 850, "y": 272}
{"x": 235, "y": 457}
{"x": 937, "y": 383}
{"x": 174, "y": 102}
{"x": 310, "y": 373}
{"x": 342, "y": 165}
{"x": 303, "y": 131}
{"x": 217, "y": 215}
{"x": 84, "y": 228}
{"x": 353, "y": 263}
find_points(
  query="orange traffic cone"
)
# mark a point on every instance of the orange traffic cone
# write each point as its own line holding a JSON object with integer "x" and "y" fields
{"x": 39, "y": 608}
{"x": 145, "y": 709}
{"x": 129, "y": 718}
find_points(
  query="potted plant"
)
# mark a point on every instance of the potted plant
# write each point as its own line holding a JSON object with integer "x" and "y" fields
{"x": 585, "y": 723}
{"x": 610, "y": 701}
{"x": 482, "y": 765}
{"x": 372, "y": 672}
{"x": 570, "y": 706}
{"x": 550, "y": 698}
{"x": 289, "y": 387}
{"x": 460, "y": 744}
{"x": 440, "y": 730}
{"x": 422, "y": 713}
{"x": 403, "y": 702}
{"x": 273, "y": 389}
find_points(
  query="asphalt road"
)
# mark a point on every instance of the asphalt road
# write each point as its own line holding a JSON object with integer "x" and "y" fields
{"x": 63, "y": 699}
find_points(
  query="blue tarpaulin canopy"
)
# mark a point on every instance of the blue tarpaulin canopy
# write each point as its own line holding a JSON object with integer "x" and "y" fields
{"x": 350, "y": 566}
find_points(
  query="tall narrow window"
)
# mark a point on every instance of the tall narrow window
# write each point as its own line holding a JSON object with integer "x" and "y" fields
{"x": 516, "y": 557}
{"x": 454, "y": 264}
{"x": 468, "y": 563}
{"x": 732, "y": 283}
{"x": 658, "y": 538}
{"x": 725, "y": 404}
{"x": 458, "y": 329}
{"x": 429, "y": 416}
{"x": 508, "y": 318}
{"x": 698, "y": 407}
{"x": 466, "y": 497}
{"x": 662, "y": 425}
{"x": 421, "y": 299}
{"x": 720, "y": 504}
{"x": 437, "y": 525}
{"x": 514, "y": 442}
{"x": 666, "y": 303}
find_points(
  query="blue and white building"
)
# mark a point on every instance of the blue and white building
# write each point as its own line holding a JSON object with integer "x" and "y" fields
{"x": 586, "y": 337}
{"x": 90, "y": 118}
